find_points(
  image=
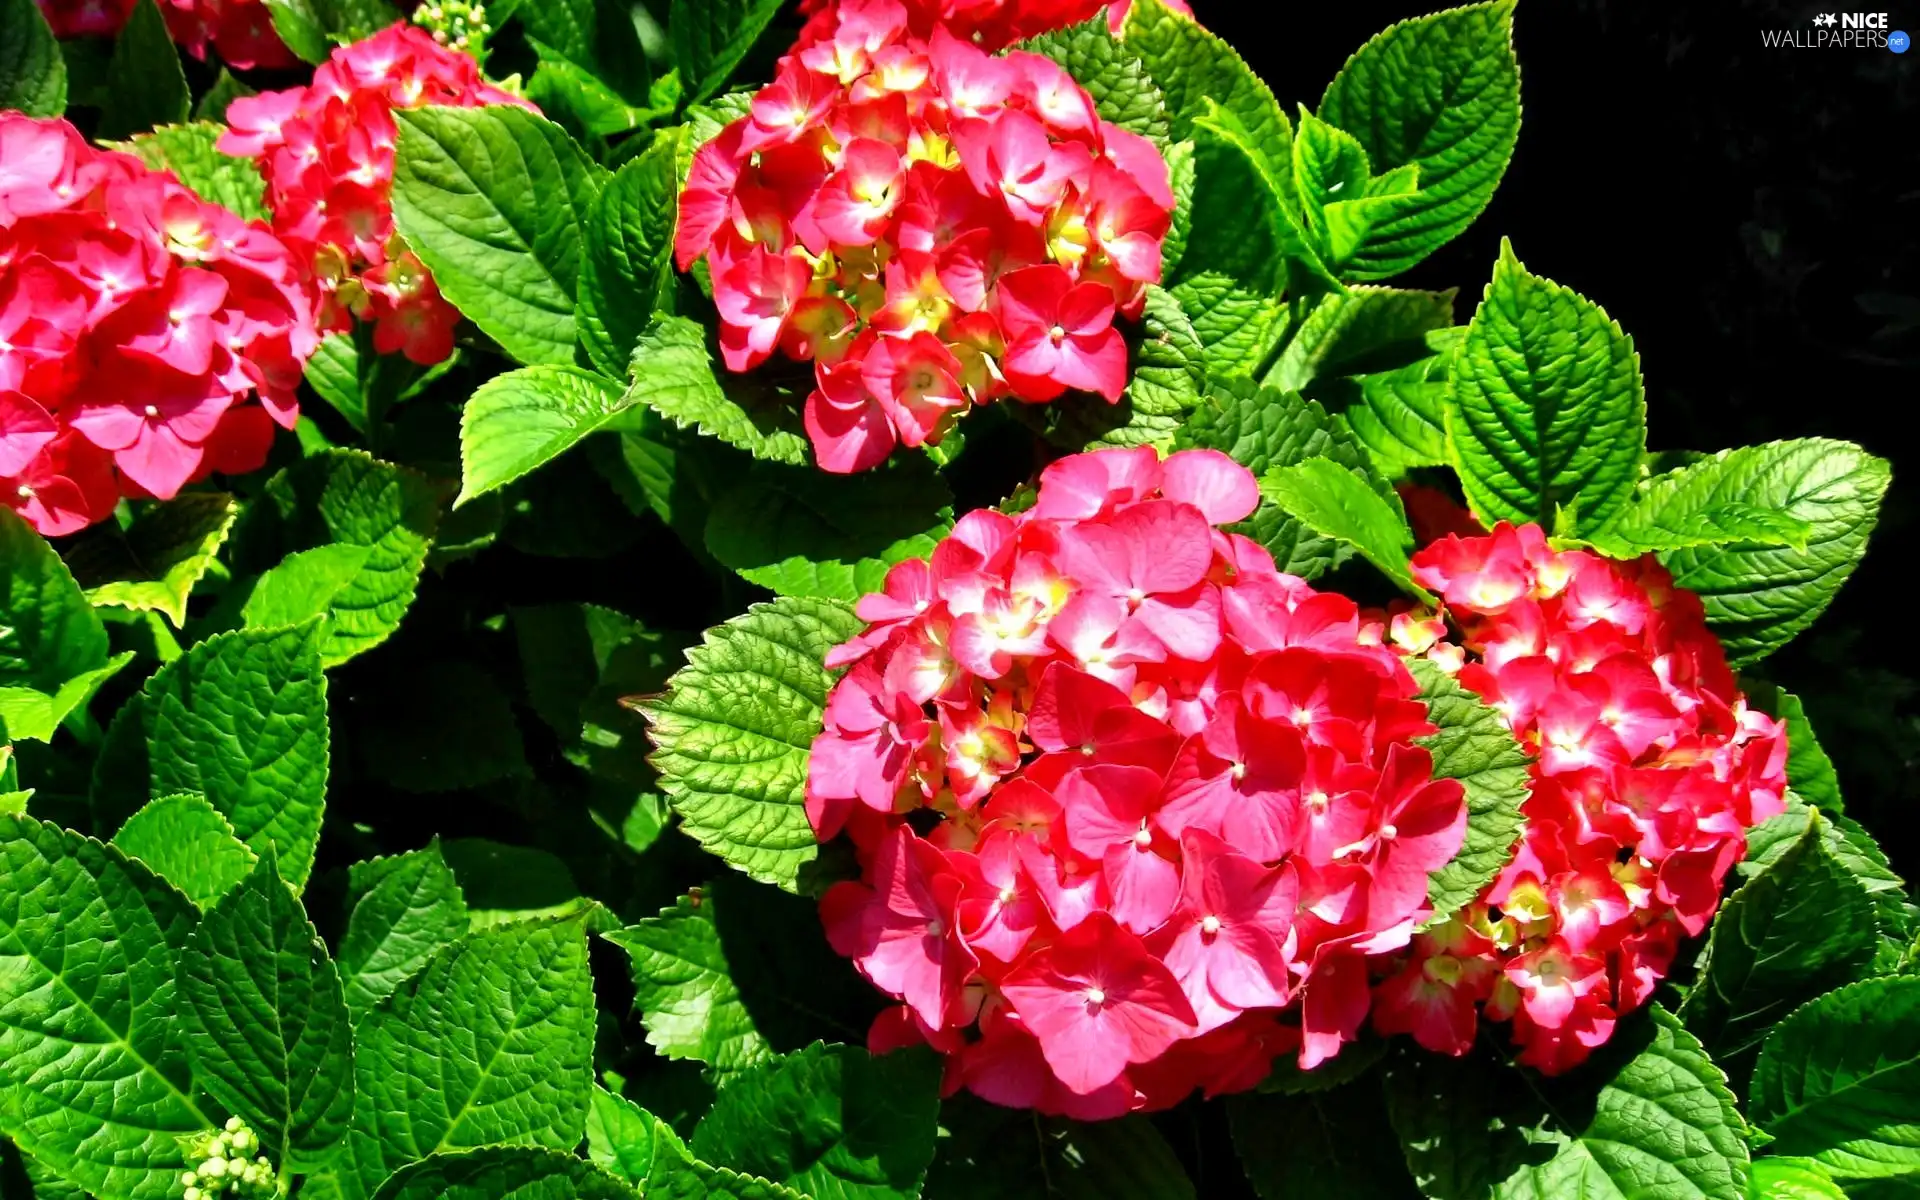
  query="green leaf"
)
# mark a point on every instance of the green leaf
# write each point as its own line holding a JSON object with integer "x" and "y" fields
{"x": 710, "y": 37}
{"x": 1341, "y": 200}
{"x": 1369, "y": 329}
{"x": 684, "y": 991}
{"x": 49, "y": 634}
{"x": 299, "y": 27}
{"x": 267, "y": 1027}
{"x": 656, "y": 467}
{"x": 92, "y": 1081}
{"x": 801, "y": 532}
{"x": 794, "y": 985}
{"x": 1851, "y": 846}
{"x": 1759, "y": 597}
{"x": 1400, "y": 415}
{"x": 241, "y": 718}
{"x": 1233, "y": 267}
{"x": 36, "y": 715}
{"x": 733, "y": 731}
{"x": 1474, "y": 746}
{"x": 673, "y": 374}
{"x": 1122, "y": 90}
{"x": 188, "y": 151}
{"x": 491, "y": 1044}
{"x": 1354, "y": 1060}
{"x": 1792, "y": 1179}
{"x": 145, "y": 85}
{"x": 152, "y": 564}
{"x": 304, "y": 585}
{"x": 1810, "y": 773}
{"x": 1648, "y": 1118}
{"x": 444, "y": 726}
{"x": 33, "y": 74}
{"x": 1698, "y": 506}
{"x": 579, "y": 662}
{"x": 1791, "y": 932}
{"x": 353, "y": 20}
{"x": 361, "y": 384}
{"x": 405, "y": 909}
{"x": 596, "y": 37}
{"x": 1838, "y": 1081}
{"x": 504, "y": 884}
{"x": 504, "y": 1173}
{"x": 628, "y": 254}
{"x": 1169, "y": 378}
{"x": 634, "y": 1145}
{"x": 1193, "y": 66}
{"x": 1326, "y": 1143}
{"x": 1180, "y": 177}
{"x": 1236, "y": 324}
{"x": 1640, "y": 530}
{"x": 829, "y": 1120}
{"x": 522, "y": 420}
{"x": 311, "y": 27}
{"x": 345, "y": 497}
{"x": 1547, "y": 411}
{"x": 1329, "y": 167}
{"x": 189, "y": 844}
{"x": 577, "y": 99}
{"x": 493, "y": 201}
{"x": 993, "y": 1153}
{"x": 1335, "y": 502}
{"x": 45, "y": 1183}
{"x": 1441, "y": 93}
{"x": 215, "y": 101}
{"x": 1263, "y": 428}
{"x": 620, "y": 1136}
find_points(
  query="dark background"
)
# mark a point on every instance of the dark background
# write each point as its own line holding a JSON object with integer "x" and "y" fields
{"x": 1747, "y": 215}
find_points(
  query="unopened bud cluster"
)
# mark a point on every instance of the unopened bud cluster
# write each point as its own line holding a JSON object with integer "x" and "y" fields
{"x": 223, "y": 1167}
{"x": 456, "y": 24}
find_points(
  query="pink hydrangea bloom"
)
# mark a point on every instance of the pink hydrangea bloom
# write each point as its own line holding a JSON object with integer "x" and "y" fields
{"x": 327, "y": 151}
{"x": 1651, "y": 768}
{"x": 136, "y": 322}
{"x": 933, "y": 227}
{"x": 991, "y": 24}
{"x": 1132, "y": 807}
{"x": 240, "y": 32}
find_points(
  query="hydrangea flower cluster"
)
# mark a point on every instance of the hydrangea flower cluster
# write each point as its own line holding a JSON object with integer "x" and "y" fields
{"x": 222, "y": 1167}
{"x": 1651, "y": 768}
{"x": 135, "y": 322}
{"x": 239, "y": 31}
{"x": 1122, "y": 792}
{"x": 989, "y": 24}
{"x": 933, "y": 227}
{"x": 327, "y": 151}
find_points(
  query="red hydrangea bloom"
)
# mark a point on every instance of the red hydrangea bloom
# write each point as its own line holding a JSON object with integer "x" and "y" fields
{"x": 931, "y": 226}
{"x": 1123, "y": 794}
{"x": 135, "y": 322}
{"x": 326, "y": 151}
{"x": 1650, "y": 769}
{"x": 239, "y": 31}
{"x": 990, "y": 24}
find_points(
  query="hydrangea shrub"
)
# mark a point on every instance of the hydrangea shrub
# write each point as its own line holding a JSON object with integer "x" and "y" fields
{"x": 617, "y": 600}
